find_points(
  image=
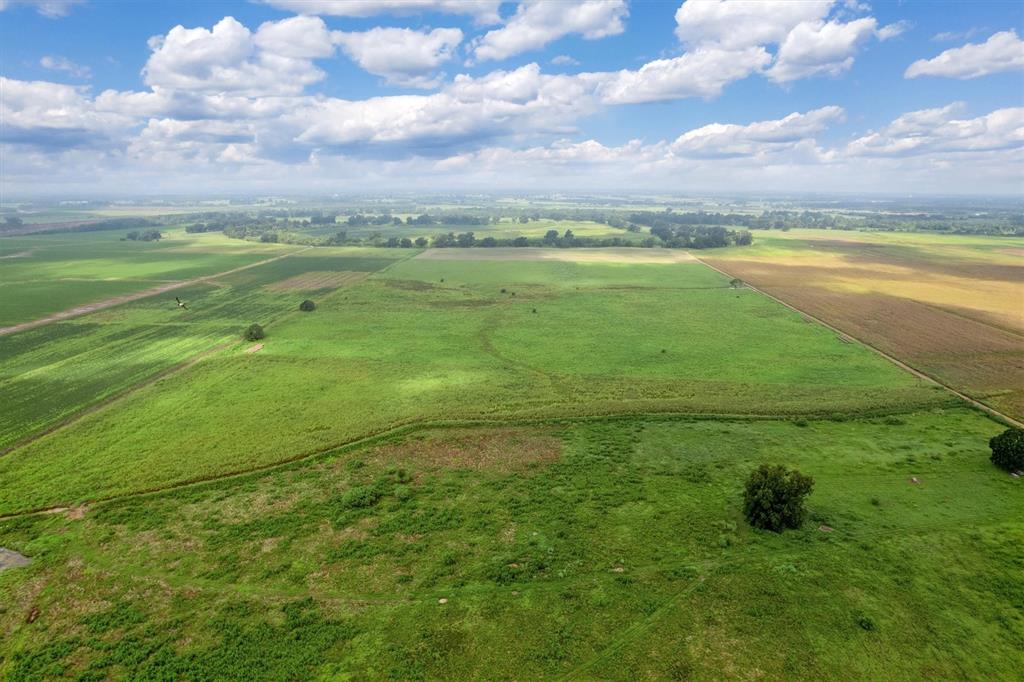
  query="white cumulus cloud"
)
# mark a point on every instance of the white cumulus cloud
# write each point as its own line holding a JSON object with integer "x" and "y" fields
{"x": 942, "y": 131}
{"x": 742, "y": 23}
{"x": 402, "y": 56}
{"x": 1003, "y": 51}
{"x": 483, "y": 11}
{"x": 537, "y": 23}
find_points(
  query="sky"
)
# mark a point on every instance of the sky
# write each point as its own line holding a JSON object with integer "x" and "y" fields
{"x": 275, "y": 97}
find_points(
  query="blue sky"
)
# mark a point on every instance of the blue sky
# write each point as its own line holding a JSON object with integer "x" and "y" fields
{"x": 693, "y": 96}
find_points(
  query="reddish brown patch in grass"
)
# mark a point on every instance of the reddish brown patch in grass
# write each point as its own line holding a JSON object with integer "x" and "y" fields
{"x": 492, "y": 449}
{"x": 254, "y": 348}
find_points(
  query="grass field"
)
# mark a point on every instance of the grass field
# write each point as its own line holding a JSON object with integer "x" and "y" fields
{"x": 45, "y": 274}
{"x": 507, "y": 228}
{"x": 606, "y": 550}
{"x": 79, "y": 362}
{"x": 403, "y": 346}
{"x": 480, "y": 464}
{"x": 951, "y": 306}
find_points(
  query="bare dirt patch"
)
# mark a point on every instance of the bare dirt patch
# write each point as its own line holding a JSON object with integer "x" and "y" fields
{"x": 492, "y": 449}
{"x": 319, "y": 280}
{"x": 11, "y": 559}
{"x": 19, "y": 254}
{"x": 254, "y": 348}
{"x": 612, "y": 255}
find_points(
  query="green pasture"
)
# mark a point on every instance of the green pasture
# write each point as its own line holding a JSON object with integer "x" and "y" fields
{"x": 52, "y": 372}
{"x": 46, "y": 274}
{"x": 612, "y": 550}
{"x": 404, "y": 347}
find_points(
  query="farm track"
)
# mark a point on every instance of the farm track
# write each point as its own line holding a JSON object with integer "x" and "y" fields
{"x": 414, "y": 425}
{"x": 991, "y": 411}
{"x": 127, "y": 298}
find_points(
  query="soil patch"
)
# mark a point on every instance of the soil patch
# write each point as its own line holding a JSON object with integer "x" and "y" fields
{"x": 11, "y": 559}
{"x": 492, "y": 449}
{"x": 20, "y": 254}
{"x": 254, "y": 348}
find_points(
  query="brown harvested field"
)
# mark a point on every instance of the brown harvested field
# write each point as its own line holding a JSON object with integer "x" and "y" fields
{"x": 318, "y": 281}
{"x": 609, "y": 255}
{"x": 949, "y": 313}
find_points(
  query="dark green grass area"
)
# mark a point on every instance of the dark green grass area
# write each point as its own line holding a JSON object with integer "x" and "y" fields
{"x": 404, "y": 347}
{"x": 588, "y": 550}
{"x": 52, "y": 372}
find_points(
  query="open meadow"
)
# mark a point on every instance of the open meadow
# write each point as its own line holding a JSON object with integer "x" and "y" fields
{"x": 490, "y": 463}
{"x": 44, "y": 274}
{"x": 951, "y": 306}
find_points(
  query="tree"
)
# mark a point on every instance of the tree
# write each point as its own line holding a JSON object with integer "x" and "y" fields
{"x": 406, "y": 243}
{"x": 1008, "y": 449}
{"x": 307, "y": 306}
{"x": 421, "y": 242}
{"x": 551, "y": 236}
{"x": 13, "y": 220}
{"x": 736, "y": 283}
{"x": 774, "y": 497}
{"x": 254, "y": 332}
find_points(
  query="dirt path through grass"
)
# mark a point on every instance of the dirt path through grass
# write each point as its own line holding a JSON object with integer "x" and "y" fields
{"x": 126, "y": 298}
{"x": 992, "y": 412}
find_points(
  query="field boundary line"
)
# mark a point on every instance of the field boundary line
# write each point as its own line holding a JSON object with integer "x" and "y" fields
{"x": 977, "y": 404}
{"x": 128, "y": 298}
{"x": 416, "y": 424}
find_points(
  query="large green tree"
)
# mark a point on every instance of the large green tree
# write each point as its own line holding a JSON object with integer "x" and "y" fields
{"x": 774, "y": 497}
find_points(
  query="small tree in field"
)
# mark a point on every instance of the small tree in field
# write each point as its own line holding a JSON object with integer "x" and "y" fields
{"x": 736, "y": 283}
{"x": 307, "y": 306}
{"x": 1008, "y": 450}
{"x": 774, "y": 497}
{"x": 254, "y": 332}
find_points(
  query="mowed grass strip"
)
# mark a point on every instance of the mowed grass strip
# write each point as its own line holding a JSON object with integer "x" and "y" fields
{"x": 404, "y": 347}
{"x": 614, "y": 550}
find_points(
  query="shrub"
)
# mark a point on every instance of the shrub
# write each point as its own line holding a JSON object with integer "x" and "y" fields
{"x": 254, "y": 332}
{"x": 1008, "y": 449}
{"x": 774, "y": 497}
{"x": 307, "y": 306}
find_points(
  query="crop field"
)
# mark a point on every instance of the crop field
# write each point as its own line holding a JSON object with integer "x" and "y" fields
{"x": 44, "y": 274}
{"x": 492, "y": 464}
{"x": 950, "y": 306}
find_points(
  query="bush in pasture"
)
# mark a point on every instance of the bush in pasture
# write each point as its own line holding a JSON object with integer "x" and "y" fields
{"x": 307, "y": 306}
{"x": 254, "y": 332}
{"x": 774, "y": 497}
{"x": 1008, "y": 449}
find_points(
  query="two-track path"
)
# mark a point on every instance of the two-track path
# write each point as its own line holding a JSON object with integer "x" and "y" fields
{"x": 126, "y": 298}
